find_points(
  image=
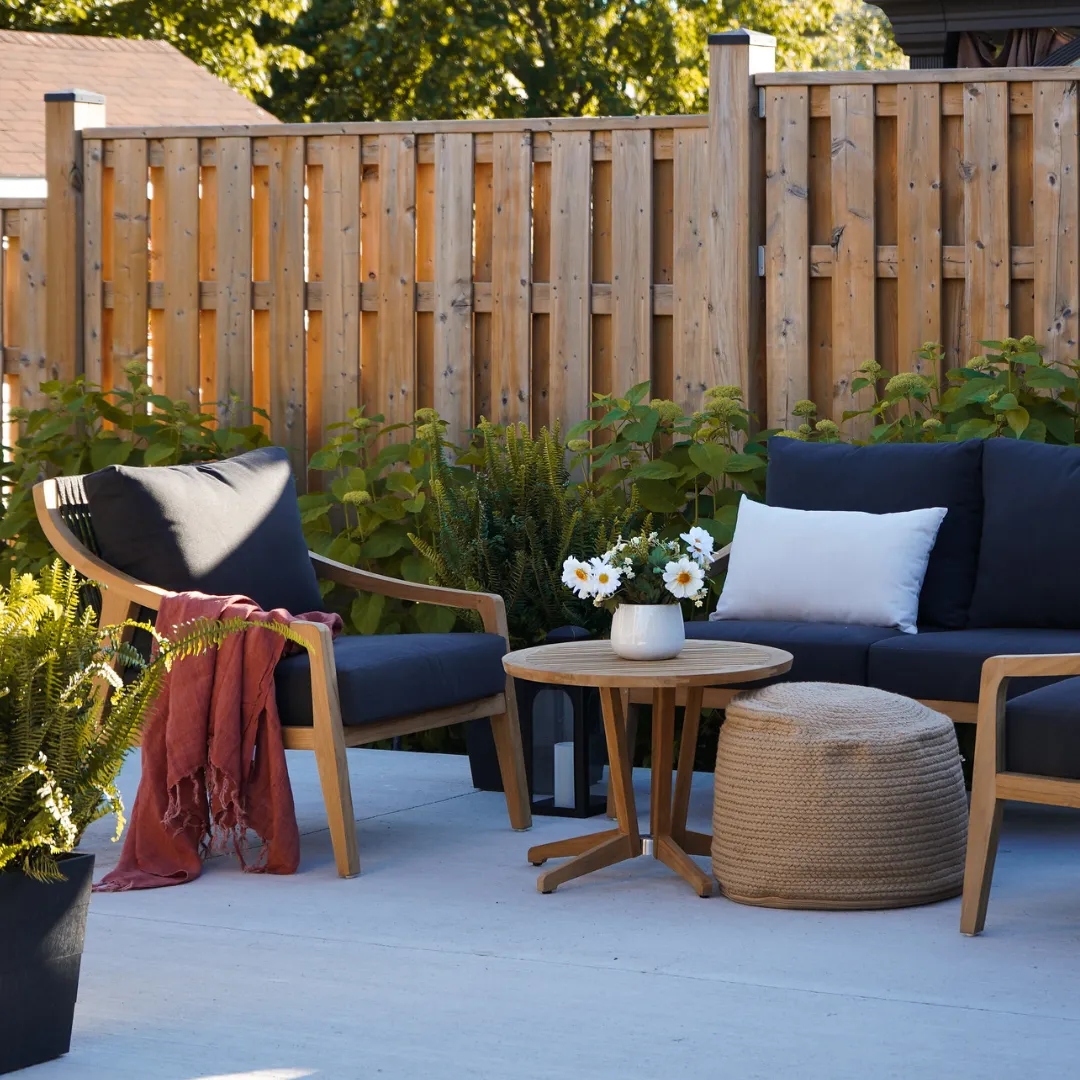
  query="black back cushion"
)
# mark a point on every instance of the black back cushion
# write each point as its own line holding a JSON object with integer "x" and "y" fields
{"x": 1026, "y": 576}
{"x": 221, "y": 527}
{"x": 892, "y": 479}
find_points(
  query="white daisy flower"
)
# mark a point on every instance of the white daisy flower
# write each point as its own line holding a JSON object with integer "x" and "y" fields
{"x": 604, "y": 578}
{"x": 700, "y": 543}
{"x": 575, "y": 576}
{"x": 683, "y": 577}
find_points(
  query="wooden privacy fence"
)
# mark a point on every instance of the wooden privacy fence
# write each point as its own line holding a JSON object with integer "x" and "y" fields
{"x": 808, "y": 222}
{"x": 904, "y": 207}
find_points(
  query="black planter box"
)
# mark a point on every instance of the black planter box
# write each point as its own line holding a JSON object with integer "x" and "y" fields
{"x": 42, "y": 928}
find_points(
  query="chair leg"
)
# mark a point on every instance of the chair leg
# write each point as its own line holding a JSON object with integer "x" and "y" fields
{"x": 507, "y": 732}
{"x": 984, "y": 820}
{"x": 330, "y": 757}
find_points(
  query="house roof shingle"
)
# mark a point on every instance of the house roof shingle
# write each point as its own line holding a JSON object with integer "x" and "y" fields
{"x": 145, "y": 83}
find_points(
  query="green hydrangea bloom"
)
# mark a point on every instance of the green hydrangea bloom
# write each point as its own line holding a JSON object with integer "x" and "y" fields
{"x": 669, "y": 411}
{"x": 906, "y": 383}
{"x": 805, "y": 429}
{"x": 827, "y": 427}
{"x": 805, "y": 407}
{"x": 578, "y": 445}
{"x": 427, "y": 416}
{"x": 356, "y": 498}
{"x": 870, "y": 368}
{"x": 932, "y": 424}
{"x": 715, "y": 393}
{"x": 788, "y": 434}
{"x": 977, "y": 363}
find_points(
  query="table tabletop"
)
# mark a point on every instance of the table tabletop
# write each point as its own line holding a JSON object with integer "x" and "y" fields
{"x": 594, "y": 663}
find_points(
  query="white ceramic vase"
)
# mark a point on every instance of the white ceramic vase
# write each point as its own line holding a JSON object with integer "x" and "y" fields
{"x": 647, "y": 631}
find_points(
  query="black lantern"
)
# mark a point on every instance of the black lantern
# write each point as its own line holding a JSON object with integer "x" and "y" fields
{"x": 562, "y": 735}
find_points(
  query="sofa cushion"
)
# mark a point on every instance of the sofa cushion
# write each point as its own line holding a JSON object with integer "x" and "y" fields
{"x": 947, "y": 665}
{"x": 1032, "y": 494}
{"x": 823, "y": 652}
{"x": 891, "y": 479}
{"x": 1042, "y": 731}
{"x": 381, "y": 676}
{"x": 218, "y": 527}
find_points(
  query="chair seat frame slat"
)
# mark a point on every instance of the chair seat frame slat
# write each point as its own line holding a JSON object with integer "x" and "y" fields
{"x": 64, "y": 517}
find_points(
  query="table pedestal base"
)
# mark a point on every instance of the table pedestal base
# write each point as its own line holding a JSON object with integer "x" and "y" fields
{"x": 671, "y": 842}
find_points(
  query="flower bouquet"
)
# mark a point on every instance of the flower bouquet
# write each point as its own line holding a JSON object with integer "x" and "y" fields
{"x": 642, "y": 580}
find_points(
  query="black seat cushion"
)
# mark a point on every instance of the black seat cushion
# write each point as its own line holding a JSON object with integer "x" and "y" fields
{"x": 1032, "y": 494}
{"x": 221, "y": 527}
{"x": 823, "y": 652}
{"x": 947, "y": 666}
{"x": 382, "y": 676}
{"x": 892, "y": 479}
{"x": 1042, "y": 731}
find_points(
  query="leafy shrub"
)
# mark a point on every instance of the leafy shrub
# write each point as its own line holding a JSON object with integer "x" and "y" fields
{"x": 509, "y": 526}
{"x": 60, "y": 749}
{"x": 374, "y": 495}
{"x": 82, "y": 428}
{"x": 1010, "y": 391}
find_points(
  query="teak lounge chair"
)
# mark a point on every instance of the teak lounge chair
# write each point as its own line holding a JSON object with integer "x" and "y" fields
{"x": 370, "y": 675}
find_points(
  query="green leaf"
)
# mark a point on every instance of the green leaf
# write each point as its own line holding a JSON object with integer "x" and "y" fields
{"x": 344, "y": 549}
{"x": 416, "y": 503}
{"x": 1035, "y": 431}
{"x": 389, "y": 508}
{"x": 580, "y": 430}
{"x": 401, "y": 481}
{"x": 387, "y": 540}
{"x": 323, "y": 460}
{"x": 655, "y": 470}
{"x": 709, "y": 458}
{"x": 1048, "y": 378}
{"x": 976, "y": 429}
{"x": 743, "y": 463}
{"x": 858, "y": 384}
{"x": 432, "y": 619}
{"x": 109, "y": 450}
{"x": 158, "y": 453}
{"x": 643, "y": 430}
{"x": 366, "y": 611}
{"x": 1018, "y": 419}
{"x": 416, "y": 568}
{"x": 637, "y": 393}
{"x": 660, "y": 497}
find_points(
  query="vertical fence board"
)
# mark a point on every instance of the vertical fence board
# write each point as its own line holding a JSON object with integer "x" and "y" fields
{"x": 541, "y": 271}
{"x": 510, "y": 277}
{"x": 483, "y": 247}
{"x": 986, "y": 211}
{"x": 918, "y": 193}
{"x": 569, "y": 373}
{"x": 601, "y": 274}
{"x": 286, "y": 330}
{"x": 33, "y": 370}
{"x": 176, "y": 348}
{"x": 208, "y": 256}
{"x": 853, "y": 239}
{"x": 341, "y": 278}
{"x": 314, "y": 356}
{"x": 693, "y": 358}
{"x": 370, "y": 216}
{"x": 425, "y": 272}
{"x": 233, "y": 368}
{"x": 1056, "y": 225}
{"x": 394, "y": 376}
{"x": 93, "y": 259}
{"x": 787, "y": 253}
{"x": 631, "y": 287}
{"x": 453, "y": 385}
{"x": 662, "y": 362}
{"x": 131, "y": 262}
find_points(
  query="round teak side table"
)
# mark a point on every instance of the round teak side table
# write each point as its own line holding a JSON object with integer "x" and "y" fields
{"x": 592, "y": 663}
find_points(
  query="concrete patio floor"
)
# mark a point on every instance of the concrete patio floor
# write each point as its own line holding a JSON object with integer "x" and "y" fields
{"x": 441, "y": 961}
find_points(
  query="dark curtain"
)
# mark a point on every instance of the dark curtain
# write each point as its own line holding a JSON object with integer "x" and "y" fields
{"x": 1022, "y": 48}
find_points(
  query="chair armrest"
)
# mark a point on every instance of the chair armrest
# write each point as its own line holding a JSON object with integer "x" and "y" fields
{"x": 71, "y": 549}
{"x": 489, "y": 606}
{"x": 999, "y": 669}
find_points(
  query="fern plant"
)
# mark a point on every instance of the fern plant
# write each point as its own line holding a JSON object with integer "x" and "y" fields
{"x": 511, "y": 528}
{"x": 66, "y": 718}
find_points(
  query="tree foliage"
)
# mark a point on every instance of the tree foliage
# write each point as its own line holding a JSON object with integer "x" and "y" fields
{"x": 405, "y": 59}
{"x": 240, "y": 41}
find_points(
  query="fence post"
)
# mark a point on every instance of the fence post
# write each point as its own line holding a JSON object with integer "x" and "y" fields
{"x": 67, "y": 112}
{"x": 736, "y": 177}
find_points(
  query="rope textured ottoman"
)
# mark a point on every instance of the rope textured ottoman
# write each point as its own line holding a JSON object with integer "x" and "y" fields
{"x": 831, "y": 796}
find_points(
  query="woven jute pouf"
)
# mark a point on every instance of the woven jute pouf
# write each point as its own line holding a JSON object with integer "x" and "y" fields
{"x": 831, "y": 796}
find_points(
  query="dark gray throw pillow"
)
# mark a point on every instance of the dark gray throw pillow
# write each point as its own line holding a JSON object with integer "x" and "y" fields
{"x": 221, "y": 527}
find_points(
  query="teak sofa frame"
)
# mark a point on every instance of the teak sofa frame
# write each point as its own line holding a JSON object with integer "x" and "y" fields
{"x": 122, "y": 596}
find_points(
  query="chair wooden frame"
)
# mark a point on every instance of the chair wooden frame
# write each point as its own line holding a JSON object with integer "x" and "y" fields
{"x": 123, "y": 595}
{"x": 991, "y": 784}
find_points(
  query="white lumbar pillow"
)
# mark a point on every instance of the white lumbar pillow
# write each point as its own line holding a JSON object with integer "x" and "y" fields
{"x": 834, "y": 566}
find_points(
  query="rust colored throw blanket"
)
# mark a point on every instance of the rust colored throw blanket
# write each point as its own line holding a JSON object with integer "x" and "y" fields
{"x": 213, "y": 760}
